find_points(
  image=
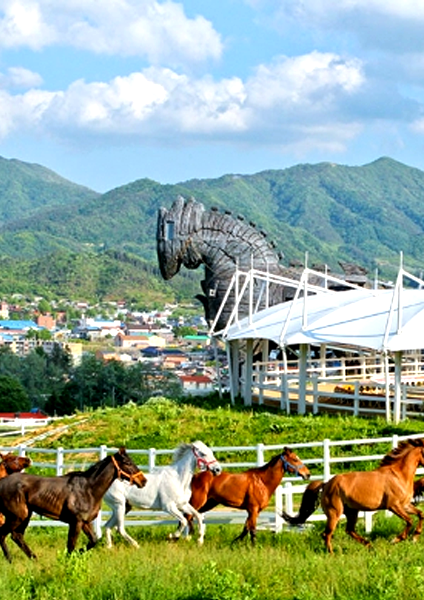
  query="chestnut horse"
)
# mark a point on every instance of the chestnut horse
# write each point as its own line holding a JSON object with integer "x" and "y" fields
{"x": 390, "y": 487}
{"x": 74, "y": 498}
{"x": 250, "y": 490}
{"x": 10, "y": 463}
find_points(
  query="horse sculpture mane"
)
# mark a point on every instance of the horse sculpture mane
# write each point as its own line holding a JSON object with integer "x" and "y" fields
{"x": 399, "y": 452}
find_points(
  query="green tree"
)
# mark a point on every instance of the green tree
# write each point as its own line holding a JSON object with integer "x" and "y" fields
{"x": 13, "y": 397}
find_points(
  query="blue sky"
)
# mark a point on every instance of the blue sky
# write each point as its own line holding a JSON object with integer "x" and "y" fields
{"x": 105, "y": 92}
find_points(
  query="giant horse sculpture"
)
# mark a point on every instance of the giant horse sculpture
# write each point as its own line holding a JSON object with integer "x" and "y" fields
{"x": 189, "y": 235}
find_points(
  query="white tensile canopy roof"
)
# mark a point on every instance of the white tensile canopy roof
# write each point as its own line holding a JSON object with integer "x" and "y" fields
{"x": 381, "y": 320}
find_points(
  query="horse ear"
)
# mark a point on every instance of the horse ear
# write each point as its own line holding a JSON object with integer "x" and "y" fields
{"x": 122, "y": 450}
{"x": 1, "y": 456}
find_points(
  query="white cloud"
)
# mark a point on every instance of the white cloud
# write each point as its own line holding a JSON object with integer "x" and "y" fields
{"x": 158, "y": 31}
{"x": 18, "y": 77}
{"x": 311, "y": 80}
{"x": 161, "y": 105}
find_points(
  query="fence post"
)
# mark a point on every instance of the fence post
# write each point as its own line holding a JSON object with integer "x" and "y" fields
{"x": 98, "y": 519}
{"x": 395, "y": 440}
{"x": 22, "y": 450}
{"x": 278, "y": 509}
{"x": 326, "y": 457}
{"x": 356, "y": 399}
{"x": 260, "y": 455}
{"x": 260, "y": 386}
{"x": 59, "y": 462}
{"x": 288, "y": 497}
{"x": 152, "y": 459}
{"x": 315, "y": 394}
{"x": 403, "y": 402}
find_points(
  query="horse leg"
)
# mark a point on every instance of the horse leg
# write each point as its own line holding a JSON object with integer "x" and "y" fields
{"x": 4, "y": 532}
{"x": 18, "y": 528}
{"x": 403, "y": 513}
{"x": 249, "y": 526}
{"x": 117, "y": 520}
{"x": 351, "y": 520}
{"x": 89, "y": 532}
{"x": 73, "y": 533}
{"x": 191, "y": 512}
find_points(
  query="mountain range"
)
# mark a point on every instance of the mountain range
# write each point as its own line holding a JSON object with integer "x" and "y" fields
{"x": 60, "y": 239}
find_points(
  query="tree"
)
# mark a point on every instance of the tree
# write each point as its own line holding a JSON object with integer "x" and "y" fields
{"x": 13, "y": 397}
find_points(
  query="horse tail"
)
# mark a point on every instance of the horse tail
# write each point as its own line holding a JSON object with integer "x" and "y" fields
{"x": 309, "y": 504}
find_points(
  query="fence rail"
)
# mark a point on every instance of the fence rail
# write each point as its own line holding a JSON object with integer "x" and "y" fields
{"x": 62, "y": 460}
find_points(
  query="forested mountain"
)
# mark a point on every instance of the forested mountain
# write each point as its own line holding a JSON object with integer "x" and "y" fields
{"x": 72, "y": 241}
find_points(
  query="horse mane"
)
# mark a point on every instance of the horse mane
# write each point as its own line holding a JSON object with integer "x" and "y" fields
{"x": 97, "y": 467}
{"x": 181, "y": 451}
{"x": 399, "y": 452}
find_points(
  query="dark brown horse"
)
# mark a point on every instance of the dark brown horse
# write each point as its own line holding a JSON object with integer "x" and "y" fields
{"x": 250, "y": 490}
{"x": 390, "y": 487}
{"x": 10, "y": 463}
{"x": 74, "y": 498}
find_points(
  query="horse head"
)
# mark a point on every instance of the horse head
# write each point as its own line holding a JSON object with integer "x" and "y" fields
{"x": 293, "y": 465}
{"x": 13, "y": 463}
{"x": 175, "y": 230}
{"x": 126, "y": 468}
{"x": 205, "y": 459}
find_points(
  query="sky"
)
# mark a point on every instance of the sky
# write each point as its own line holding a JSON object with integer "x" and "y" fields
{"x": 105, "y": 92}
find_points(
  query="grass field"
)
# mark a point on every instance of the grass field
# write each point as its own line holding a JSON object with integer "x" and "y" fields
{"x": 292, "y": 565}
{"x": 285, "y": 566}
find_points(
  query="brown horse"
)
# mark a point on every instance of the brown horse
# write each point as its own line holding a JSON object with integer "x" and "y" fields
{"x": 74, "y": 498}
{"x": 390, "y": 487}
{"x": 10, "y": 463}
{"x": 250, "y": 490}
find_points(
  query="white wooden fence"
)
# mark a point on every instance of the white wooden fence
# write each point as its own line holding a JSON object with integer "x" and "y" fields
{"x": 59, "y": 461}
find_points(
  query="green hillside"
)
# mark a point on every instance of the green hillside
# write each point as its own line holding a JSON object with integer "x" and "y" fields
{"x": 26, "y": 188}
{"x": 366, "y": 215}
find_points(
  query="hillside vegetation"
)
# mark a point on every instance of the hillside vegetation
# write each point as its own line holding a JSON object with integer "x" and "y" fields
{"x": 366, "y": 215}
{"x": 165, "y": 423}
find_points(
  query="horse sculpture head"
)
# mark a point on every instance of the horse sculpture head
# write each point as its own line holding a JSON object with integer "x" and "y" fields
{"x": 175, "y": 230}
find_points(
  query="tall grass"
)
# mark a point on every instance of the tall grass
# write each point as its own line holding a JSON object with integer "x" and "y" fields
{"x": 291, "y": 565}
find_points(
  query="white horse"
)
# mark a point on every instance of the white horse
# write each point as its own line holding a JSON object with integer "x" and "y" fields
{"x": 167, "y": 488}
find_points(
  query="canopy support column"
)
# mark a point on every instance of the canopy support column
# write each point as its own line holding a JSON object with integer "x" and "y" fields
{"x": 303, "y": 360}
{"x": 398, "y": 382}
{"x": 249, "y": 373}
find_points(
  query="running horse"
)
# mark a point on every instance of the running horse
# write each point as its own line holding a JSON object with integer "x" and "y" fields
{"x": 167, "y": 489}
{"x": 11, "y": 463}
{"x": 250, "y": 490}
{"x": 74, "y": 498}
{"x": 389, "y": 487}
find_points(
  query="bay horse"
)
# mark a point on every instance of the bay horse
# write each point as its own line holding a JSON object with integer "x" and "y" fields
{"x": 250, "y": 490}
{"x": 74, "y": 498}
{"x": 167, "y": 489}
{"x": 11, "y": 463}
{"x": 389, "y": 487}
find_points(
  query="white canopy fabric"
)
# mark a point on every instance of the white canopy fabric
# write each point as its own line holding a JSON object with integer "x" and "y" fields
{"x": 381, "y": 320}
